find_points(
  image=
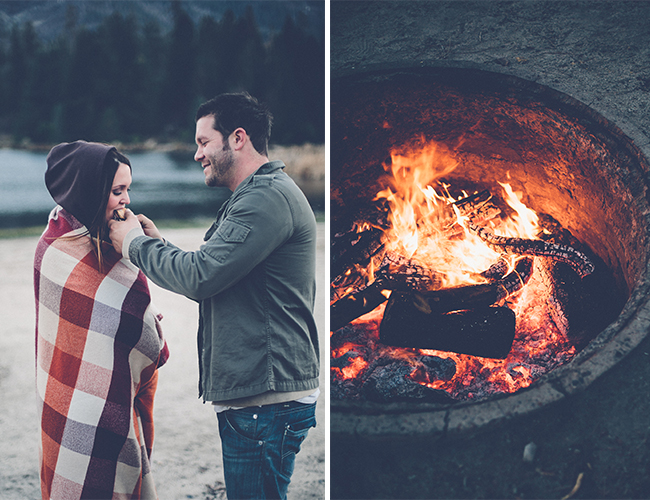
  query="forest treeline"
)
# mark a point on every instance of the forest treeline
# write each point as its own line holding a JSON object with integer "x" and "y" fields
{"x": 129, "y": 82}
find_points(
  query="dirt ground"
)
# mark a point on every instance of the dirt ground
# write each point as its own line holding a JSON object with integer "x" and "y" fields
{"x": 595, "y": 444}
{"x": 187, "y": 453}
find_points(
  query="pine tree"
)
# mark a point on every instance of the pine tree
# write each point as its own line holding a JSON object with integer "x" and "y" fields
{"x": 126, "y": 82}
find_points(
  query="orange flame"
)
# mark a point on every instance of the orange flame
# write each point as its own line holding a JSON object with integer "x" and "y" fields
{"x": 428, "y": 227}
{"x": 420, "y": 216}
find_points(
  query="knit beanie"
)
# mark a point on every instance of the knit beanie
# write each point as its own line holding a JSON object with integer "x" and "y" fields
{"x": 74, "y": 177}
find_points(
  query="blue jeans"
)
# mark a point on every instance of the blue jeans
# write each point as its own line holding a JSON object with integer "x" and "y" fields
{"x": 259, "y": 446}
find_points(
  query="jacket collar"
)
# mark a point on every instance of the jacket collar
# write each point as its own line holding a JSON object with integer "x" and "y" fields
{"x": 267, "y": 168}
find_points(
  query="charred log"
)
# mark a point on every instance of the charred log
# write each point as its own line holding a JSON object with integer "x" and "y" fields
{"x": 434, "y": 368}
{"x": 478, "y": 208}
{"x": 458, "y": 298}
{"x": 394, "y": 273}
{"x": 517, "y": 279}
{"x": 358, "y": 336}
{"x": 579, "y": 308}
{"x": 497, "y": 270}
{"x": 356, "y": 304}
{"x": 456, "y": 319}
{"x": 473, "y": 202}
{"x": 344, "y": 360}
{"x": 399, "y": 273}
{"x": 345, "y": 388}
{"x": 355, "y": 248}
{"x": 486, "y": 331}
{"x": 441, "y": 301}
{"x": 375, "y": 214}
{"x": 474, "y": 296}
{"x": 578, "y": 261}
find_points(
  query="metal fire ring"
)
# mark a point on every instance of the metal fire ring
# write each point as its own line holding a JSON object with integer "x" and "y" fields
{"x": 607, "y": 349}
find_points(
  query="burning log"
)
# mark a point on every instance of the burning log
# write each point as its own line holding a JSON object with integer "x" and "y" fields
{"x": 394, "y": 273}
{"x": 366, "y": 299}
{"x": 515, "y": 281}
{"x": 485, "y": 331}
{"x": 473, "y": 202}
{"x": 342, "y": 285}
{"x": 459, "y": 298}
{"x": 578, "y": 261}
{"x": 477, "y": 207}
{"x": 497, "y": 270}
{"x": 456, "y": 319}
{"x": 355, "y": 248}
{"x": 356, "y": 304}
{"x": 399, "y": 273}
{"x": 472, "y": 296}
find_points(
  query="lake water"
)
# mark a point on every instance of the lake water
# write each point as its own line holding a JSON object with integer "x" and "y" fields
{"x": 164, "y": 186}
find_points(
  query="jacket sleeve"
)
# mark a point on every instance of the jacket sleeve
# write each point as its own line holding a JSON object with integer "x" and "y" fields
{"x": 256, "y": 224}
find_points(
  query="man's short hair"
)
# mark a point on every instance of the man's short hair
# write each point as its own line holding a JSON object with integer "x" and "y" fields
{"x": 231, "y": 111}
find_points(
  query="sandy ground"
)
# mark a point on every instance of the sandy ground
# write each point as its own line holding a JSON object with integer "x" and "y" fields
{"x": 187, "y": 452}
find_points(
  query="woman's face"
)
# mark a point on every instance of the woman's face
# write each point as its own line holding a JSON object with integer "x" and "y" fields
{"x": 119, "y": 196}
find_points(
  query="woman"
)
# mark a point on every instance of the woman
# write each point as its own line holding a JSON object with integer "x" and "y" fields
{"x": 98, "y": 342}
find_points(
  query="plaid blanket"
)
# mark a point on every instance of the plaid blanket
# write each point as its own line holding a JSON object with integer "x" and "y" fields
{"x": 98, "y": 347}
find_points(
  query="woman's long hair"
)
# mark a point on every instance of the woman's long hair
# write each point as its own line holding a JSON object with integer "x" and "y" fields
{"x": 98, "y": 228}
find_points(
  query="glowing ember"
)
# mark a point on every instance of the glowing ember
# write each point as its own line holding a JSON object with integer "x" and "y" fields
{"x": 427, "y": 226}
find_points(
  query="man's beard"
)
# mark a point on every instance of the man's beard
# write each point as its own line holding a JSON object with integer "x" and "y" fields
{"x": 221, "y": 169}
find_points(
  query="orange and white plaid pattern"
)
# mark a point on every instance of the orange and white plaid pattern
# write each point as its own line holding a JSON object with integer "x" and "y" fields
{"x": 98, "y": 347}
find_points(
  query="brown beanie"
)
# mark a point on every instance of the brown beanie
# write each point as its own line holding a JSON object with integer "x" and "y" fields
{"x": 74, "y": 177}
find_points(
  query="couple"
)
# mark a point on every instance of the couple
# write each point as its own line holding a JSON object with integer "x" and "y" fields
{"x": 99, "y": 342}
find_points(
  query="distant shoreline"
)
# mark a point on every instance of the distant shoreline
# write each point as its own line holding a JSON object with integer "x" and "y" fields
{"x": 305, "y": 162}
{"x": 149, "y": 145}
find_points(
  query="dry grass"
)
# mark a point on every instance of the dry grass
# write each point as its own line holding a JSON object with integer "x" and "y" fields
{"x": 306, "y": 162}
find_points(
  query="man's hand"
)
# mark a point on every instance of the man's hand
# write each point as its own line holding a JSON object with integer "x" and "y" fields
{"x": 149, "y": 227}
{"x": 119, "y": 229}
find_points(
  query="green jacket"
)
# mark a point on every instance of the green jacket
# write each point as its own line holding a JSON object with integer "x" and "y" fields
{"x": 254, "y": 279}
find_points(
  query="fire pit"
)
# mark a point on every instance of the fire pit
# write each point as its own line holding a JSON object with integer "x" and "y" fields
{"x": 491, "y": 172}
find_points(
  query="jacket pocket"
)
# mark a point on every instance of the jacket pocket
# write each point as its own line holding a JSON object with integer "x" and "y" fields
{"x": 232, "y": 231}
{"x": 231, "y": 234}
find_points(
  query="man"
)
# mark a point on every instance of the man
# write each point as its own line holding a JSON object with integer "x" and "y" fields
{"x": 254, "y": 279}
